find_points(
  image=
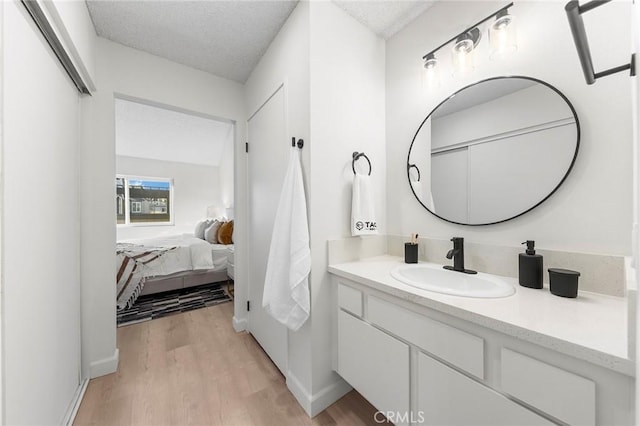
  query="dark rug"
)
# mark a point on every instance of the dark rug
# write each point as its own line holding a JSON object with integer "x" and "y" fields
{"x": 159, "y": 305}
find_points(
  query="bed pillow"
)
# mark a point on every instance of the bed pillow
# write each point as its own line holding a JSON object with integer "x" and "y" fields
{"x": 200, "y": 227}
{"x": 211, "y": 233}
{"x": 225, "y": 232}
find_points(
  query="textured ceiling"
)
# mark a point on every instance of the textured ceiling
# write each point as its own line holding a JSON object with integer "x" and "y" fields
{"x": 146, "y": 131}
{"x": 384, "y": 17}
{"x": 226, "y": 38}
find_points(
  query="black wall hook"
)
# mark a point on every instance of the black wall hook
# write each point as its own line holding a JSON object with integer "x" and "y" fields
{"x": 413, "y": 166}
{"x": 300, "y": 142}
{"x": 355, "y": 156}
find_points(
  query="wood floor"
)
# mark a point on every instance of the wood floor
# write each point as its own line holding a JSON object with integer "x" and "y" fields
{"x": 194, "y": 369}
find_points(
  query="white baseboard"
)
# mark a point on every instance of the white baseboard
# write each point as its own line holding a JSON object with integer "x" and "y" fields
{"x": 299, "y": 392}
{"x": 327, "y": 396}
{"x": 239, "y": 324}
{"x": 104, "y": 366}
{"x": 70, "y": 416}
{"x": 318, "y": 402}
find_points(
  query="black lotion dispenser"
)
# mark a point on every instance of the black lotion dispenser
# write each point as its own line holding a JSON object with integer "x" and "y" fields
{"x": 530, "y": 266}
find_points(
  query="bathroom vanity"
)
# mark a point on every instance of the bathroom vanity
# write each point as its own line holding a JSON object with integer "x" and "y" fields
{"x": 532, "y": 358}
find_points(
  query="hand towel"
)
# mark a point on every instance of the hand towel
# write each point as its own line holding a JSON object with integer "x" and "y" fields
{"x": 416, "y": 185}
{"x": 286, "y": 287}
{"x": 363, "y": 219}
{"x": 423, "y": 195}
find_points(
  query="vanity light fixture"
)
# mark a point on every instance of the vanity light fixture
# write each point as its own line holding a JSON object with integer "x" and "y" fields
{"x": 462, "y": 53}
{"x": 502, "y": 35}
{"x": 430, "y": 74}
{"x": 464, "y": 44}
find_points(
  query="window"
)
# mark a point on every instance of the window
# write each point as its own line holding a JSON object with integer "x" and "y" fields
{"x": 142, "y": 200}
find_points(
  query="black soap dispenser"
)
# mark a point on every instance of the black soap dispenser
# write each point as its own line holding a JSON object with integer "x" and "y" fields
{"x": 530, "y": 266}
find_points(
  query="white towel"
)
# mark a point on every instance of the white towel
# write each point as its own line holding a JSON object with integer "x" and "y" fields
{"x": 416, "y": 185}
{"x": 286, "y": 286}
{"x": 363, "y": 218}
{"x": 425, "y": 196}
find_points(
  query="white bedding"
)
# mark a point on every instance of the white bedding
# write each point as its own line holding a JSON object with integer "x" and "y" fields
{"x": 139, "y": 259}
{"x": 219, "y": 256}
{"x": 190, "y": 254}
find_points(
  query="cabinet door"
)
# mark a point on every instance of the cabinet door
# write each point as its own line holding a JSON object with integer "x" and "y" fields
{"x": 375, "y": 364}
{"x": 447, "y": 397}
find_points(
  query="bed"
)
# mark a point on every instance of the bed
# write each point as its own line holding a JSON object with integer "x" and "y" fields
{"x": 155, "y": 265}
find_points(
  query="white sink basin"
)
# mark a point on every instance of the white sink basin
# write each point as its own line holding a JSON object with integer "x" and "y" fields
{"x": 434, "y": 278}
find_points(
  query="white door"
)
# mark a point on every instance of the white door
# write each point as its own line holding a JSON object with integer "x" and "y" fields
{"x": 41, "y": 251}
{"x": 268, "y": 154}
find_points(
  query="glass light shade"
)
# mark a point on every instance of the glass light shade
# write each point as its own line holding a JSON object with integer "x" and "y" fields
{"x": 462, "y": 56}
{"x": 430, "y": 72}
{"x": 502, "y": 36}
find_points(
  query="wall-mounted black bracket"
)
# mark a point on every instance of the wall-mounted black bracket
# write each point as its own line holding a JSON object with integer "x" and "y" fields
{"x": 413, "y": 166}
{"x": 355, "y": 156}
{"x": 300, "y": 142}
{"x": 574, "y": 14}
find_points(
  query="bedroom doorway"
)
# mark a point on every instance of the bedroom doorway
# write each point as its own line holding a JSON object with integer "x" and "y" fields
{"x": 268, "y": 154}
{"x": 174, "y": 199}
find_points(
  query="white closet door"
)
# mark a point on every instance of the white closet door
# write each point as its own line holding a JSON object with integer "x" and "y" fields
{"x": 41, "y": 233}
{"x": 268, "y": 155}
{"x": 449, "y": 183}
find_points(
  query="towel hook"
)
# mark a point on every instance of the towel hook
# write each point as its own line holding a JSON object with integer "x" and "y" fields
{"x": 410, "y": 166}
{"x": 356, "y": 155}
{"x": 300, "y": 142}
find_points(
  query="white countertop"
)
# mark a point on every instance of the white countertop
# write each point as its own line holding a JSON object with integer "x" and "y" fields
{"x": 592, "y": 327}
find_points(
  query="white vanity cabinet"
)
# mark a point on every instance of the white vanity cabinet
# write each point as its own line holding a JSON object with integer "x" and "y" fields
{"x": 374, "y": 363}
{"x": 426, "y": 367}
{"x": 447, "y": 397}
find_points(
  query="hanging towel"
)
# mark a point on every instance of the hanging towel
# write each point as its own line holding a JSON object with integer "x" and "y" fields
{"x": 363, "y": 219}
{"x": 416, "y": 185}
{"x": 286, "y": 286}
{"x": 423, "y": 195}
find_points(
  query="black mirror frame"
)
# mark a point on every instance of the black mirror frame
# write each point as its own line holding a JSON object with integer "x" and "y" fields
{"x": 573, "y": 160}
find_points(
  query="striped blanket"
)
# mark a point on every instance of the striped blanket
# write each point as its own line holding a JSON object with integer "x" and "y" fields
{"x": 133, "y": 264}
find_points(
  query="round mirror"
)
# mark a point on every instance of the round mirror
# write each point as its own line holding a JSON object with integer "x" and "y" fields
{"x": 493, "y": 150}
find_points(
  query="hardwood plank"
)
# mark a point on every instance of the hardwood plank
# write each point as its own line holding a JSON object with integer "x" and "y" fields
{"x": 193, "y": 368}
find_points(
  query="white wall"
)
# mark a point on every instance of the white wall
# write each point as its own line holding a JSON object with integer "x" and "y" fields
{"x": 194, "y": 188}
{"x": 131, "y": 73}
{"x": 287, "y": 62}
{"x": 592, "y": 211}
{"x": 534, "y": 106}
{"x": 337, "y": 107}
{"x": 226, "y": 171}
{"x": 347, "y": 115}
{"x": 40, "y": 235}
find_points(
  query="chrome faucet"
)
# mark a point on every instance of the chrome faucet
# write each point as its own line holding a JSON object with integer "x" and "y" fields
{"x": 457, "y": 253}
